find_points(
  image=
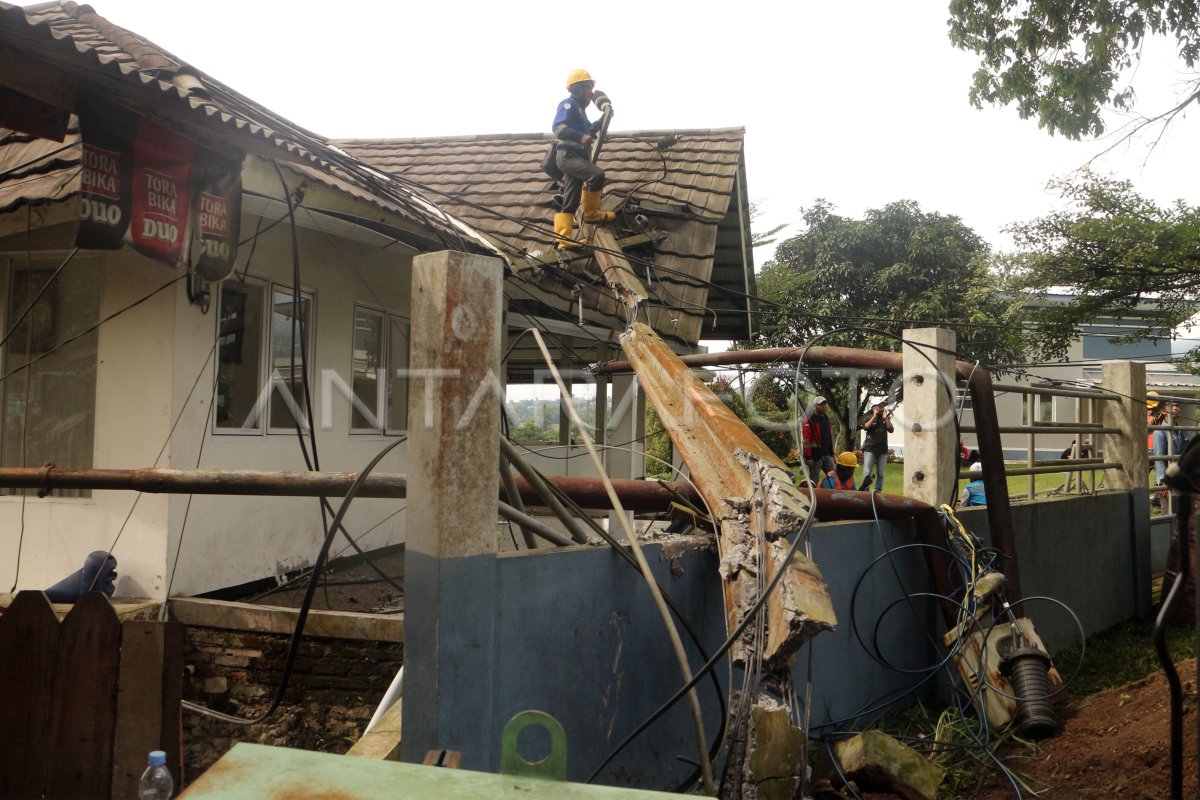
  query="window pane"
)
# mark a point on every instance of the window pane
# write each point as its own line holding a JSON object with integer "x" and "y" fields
{"x": 366, "y": 361}
{"x": 397, "y": 419}
{"x": 49, "y": 408}
{"x": 239, "y": 354}
{"x": 289, "y": 320}
{"x": 533, "y": 412}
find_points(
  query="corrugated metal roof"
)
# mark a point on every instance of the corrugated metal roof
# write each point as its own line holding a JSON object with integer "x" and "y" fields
{"x": 95, "y": 55}
{"x": 687, "y": 182}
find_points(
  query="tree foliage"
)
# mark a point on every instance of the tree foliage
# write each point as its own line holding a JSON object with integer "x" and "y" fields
{"x": 869, "y": 279}
{"x": 1062, "y": 61}
{"x": 1113, "y": 251}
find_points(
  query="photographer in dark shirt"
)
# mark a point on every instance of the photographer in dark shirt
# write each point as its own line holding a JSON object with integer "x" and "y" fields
{"x": 877, "y": 424}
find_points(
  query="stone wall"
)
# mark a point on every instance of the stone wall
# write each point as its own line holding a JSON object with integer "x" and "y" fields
{"x": 334, "y": 689}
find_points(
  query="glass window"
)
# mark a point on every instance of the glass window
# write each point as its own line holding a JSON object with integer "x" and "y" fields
{"x": 533, "y": 412}
{"x": 290, "y": 320}
{"x": 50, "y": 406}
{"x": 398, "y": 339}
{"x": 239, "y": 355}
{"x": 366, "y": 364}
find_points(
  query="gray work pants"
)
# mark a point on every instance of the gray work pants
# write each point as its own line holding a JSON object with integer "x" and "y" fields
{"x": 577, "y": 171}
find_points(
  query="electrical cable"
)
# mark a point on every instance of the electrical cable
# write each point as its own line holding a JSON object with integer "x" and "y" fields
{"x": 298, "y": 633}
{"x": 675, "y": 609}
{"x": 312, "y": 463}
{"x": 78, "y": 336}
{"x": 664, "y": 611}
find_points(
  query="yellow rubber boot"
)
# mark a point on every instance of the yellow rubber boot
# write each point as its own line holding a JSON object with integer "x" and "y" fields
{"x": 564, "y": 229}
{"x": 591, "y": 209}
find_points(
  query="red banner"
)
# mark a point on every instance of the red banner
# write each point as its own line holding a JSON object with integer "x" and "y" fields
{"x": 107, "y": 131}
{"x": 162, "y": 165}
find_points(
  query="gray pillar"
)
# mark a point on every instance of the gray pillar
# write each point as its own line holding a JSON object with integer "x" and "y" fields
{"x": 453, "y": 450}
{"x": 1128, "y": 413}
{"x": 929, "y": 439}
{"x": 626, "y": 427}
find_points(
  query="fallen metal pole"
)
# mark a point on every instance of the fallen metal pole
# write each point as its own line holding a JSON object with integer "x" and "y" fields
{"x": 522, "y": 466}
{"x": 637, "y": 495}
{"x": 514, "y": 496}
{"x": 641, "y": 496}
{"x": 531, "y": 525}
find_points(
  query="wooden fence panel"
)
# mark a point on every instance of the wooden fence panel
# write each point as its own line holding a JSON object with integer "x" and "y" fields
{"x": 29, "y": 637}
{"x": 83, "y": 714}
{"x": 149, "y": 691}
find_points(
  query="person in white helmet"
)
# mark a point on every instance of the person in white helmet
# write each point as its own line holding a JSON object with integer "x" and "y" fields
{"x": 973, "y": 493}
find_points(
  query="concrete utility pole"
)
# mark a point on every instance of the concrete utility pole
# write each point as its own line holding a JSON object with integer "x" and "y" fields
{"x": 929, "y": 440}
{"x": 451, "y": 542}
{"x": 1127, "y": 411}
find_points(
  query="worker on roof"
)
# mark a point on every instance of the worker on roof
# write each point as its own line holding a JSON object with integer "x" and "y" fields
{"x": 581, "y": 179}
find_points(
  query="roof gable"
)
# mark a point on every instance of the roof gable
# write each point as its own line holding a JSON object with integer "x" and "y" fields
{"x": 689, "y": 184}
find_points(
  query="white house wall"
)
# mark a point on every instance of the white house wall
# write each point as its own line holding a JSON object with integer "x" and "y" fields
{"x": 229, "y": 540}
{"x": 133, "y": 404}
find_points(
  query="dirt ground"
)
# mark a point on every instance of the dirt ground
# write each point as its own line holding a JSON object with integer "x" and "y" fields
{"x": 1114, "y": 744}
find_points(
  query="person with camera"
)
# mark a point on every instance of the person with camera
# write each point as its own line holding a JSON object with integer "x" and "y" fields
{"x": 876, "y": 425}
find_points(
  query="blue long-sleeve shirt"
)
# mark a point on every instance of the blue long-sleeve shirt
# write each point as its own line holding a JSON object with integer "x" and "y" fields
{"x": 571, "y": 124}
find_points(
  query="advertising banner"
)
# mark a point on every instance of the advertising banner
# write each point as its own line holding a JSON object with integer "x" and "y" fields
{"x": 217, "y": 183}
{"x": 105, "y": 191}
{"x": 162, "y": 166}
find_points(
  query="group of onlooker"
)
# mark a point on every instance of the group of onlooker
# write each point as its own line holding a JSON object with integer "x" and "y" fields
{"x": 828, "y": 472}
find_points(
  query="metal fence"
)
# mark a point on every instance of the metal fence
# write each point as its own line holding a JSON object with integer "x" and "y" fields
{"x": 1084, "y": 458}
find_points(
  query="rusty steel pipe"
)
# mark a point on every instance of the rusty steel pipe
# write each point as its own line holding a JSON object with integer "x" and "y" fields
{"x": 637, "y": 495}
{"x": 983, "y": 399}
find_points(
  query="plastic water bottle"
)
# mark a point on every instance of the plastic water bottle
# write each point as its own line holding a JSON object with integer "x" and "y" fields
{"x": 156, "y": 782}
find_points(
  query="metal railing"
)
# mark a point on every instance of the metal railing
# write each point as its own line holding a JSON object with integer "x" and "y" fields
{"x": 1079, "y": 472}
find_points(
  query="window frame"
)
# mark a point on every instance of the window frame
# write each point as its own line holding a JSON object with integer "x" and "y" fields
{"x": 390, "y": 322}
{"x": 265, "y": 391}
{"x": 10, "y": 263}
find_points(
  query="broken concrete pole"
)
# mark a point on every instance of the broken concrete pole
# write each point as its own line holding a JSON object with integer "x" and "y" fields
{"x": 775, "y": 757}
{"x": 875, "y": 760}
{"x": 750, "y": 495}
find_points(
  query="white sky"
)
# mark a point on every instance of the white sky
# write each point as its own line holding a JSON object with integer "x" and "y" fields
{"x": 860, "y": 102}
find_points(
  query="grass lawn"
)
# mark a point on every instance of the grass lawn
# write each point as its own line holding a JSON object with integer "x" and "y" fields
{"x": 1018, "y": 485}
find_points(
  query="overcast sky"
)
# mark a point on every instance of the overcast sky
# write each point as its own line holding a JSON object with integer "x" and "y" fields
{"x": 861, "y": 103}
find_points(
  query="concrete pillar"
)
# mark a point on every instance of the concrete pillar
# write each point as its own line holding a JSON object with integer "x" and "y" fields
{"x": 626, "y": 428}
{"x": 453, "y": 449}
{"x": 1128, "y": 413}
{"x": 929, "y": 437}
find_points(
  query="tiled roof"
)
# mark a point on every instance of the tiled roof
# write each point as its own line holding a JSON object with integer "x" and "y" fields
{"x": 688, "y": 183}
{"x": 93, "y": 55}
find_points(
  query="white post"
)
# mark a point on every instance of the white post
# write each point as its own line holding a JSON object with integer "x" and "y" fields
{"x": 1127, "y": 412}
{"x": 929, "y": 439}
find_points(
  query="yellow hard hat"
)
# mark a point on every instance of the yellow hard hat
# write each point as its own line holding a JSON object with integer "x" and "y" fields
{"x": 578, "y": 76}
{"x": 1152, "y": 403}
{"x": 847, "y": 459}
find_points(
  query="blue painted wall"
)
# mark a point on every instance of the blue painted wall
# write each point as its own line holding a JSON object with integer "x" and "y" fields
{"x": 576, "y": 633}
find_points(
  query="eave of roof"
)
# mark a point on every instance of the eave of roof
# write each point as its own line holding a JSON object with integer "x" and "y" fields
{"x": 95, "y": 55}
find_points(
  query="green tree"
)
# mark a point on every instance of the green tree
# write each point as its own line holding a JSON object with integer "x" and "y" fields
{"x": 768, "y": 418}
{"x": 1062, "y": 62}
{"x": 1117, "y": 253}
{"x": 869, "y": 279}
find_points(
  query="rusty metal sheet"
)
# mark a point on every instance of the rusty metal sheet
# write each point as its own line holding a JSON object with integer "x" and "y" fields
{"x": 749, "y": 491}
